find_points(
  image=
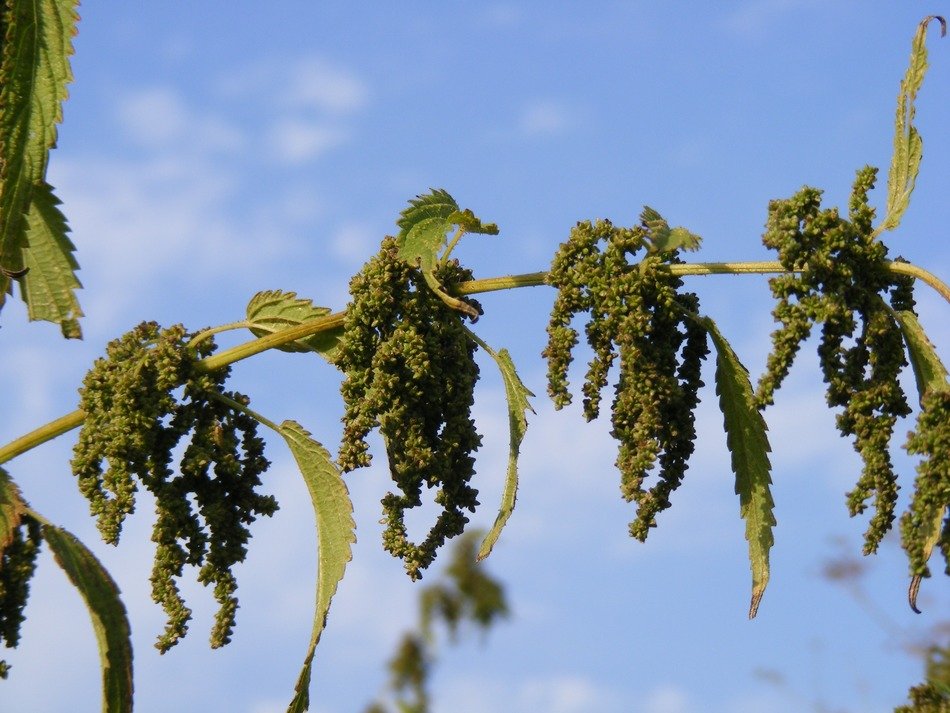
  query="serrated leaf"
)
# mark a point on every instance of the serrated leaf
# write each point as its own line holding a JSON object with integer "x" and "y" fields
{"x": 929, "y": 371}
{"x": 516, "y": 395}
{"x": 12, "y": 508}
{"x": 423, "y": 227}
{"x": 931, "y": 536}
{"x": 662, "y": 237}
{"x": 34, "y": 72}
{"x": 49, "y": 286}
{"x": 336, "y": 532}
{"x": 273, "y": 310}
{"x": 908, "y": 146}
{"x": 930, "y": 375}
{"x": 106, "y": 611}
{"x": 747, "y": 439}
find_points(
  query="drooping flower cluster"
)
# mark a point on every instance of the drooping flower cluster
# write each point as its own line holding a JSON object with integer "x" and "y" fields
{"x": 838, "y": 277}
{"x": 134, "y": 421}
{"x": 408, "y": 360}
{"x": 636, "y": 312}
{"x": 17, "y": 565}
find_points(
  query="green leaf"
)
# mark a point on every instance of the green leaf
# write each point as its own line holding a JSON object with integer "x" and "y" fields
{"x": 931, "y": 536}
{"x": 34, "y": 72}
{"x": 516, "y": 394}
{"x": 748, "y": 445}
{"x": 908, "y": 146}
{"x": 423, "y": 227}
{"x": 663, "y": 238}
{"x": 336, "y": 531}
{"x": 273, "y": 310}
{"x": 106, "y": 611}
{"x": 931, "y": 375}
{"x": 49, "y": 286}
{"x": 929, "y": 371}
{"x": 12, "y": 508}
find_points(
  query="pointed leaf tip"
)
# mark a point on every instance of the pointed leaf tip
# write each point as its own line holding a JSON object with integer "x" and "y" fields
{"x": 908, "y": 145}
{"x": 336, "y": 532}
{"x": 34, "y": 73}
{"x": 106, "y": 611}
{"x": 912, "y": 591}
{"x": 50, "y": 283}
{"x": 747, "y": 440}
{"x": 516, "y": 395}
{"x": 467, "y": 221}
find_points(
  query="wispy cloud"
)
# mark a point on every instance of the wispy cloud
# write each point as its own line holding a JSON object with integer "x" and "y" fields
{"x": 353, "y": 242}
{"x": 158, "y": 117}
{"x": 310, "y": 105}
{"x": 555, "y": 693}
{"x": 667, "y": 699}
{"x": 296, "y": 141}
{"x": 313, "y": 83}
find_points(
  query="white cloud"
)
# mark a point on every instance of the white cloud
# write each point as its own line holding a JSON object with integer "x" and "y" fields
{"x": 566, "y": 694}
{"x": 667, "y": 699}
{"x": 555, "y": 693}
{"x": 158, "y": 117}
{"x": 313, "y": 83}
{"x": 295, "y": 141}
{"x": 309, "y": 84}
{"x": 138, "y": 222}
{"x": 354, "y": 242}
{"x": 544, "y": 118}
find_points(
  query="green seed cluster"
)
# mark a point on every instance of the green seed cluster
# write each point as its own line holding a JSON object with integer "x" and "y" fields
{"x": 17, "y": 564}
{"x": 636, "y": 312}
{"x": 408, "y": 360}
{"x": 841, "y": 280}
{"x": 134, "y": 422}
{"x": 932, "y": 488}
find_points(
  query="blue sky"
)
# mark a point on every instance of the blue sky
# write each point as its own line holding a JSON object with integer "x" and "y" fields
{"x": 213, "y": 149}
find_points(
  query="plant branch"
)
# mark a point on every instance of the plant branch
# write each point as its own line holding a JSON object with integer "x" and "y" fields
{"x": 72, "y": 420}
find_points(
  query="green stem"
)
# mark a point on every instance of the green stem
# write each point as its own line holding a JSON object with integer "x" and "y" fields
{"x": 768, "y": 267}
{"x": 44, "y": 433}
{"x": 271, "y": 341}
{"x": 451, "y": 246}
{"x": 204, "y": 334}
{"x": 334, "y": 321}
{"x": 238, "y": 406}
{"x": 906, "y": 268}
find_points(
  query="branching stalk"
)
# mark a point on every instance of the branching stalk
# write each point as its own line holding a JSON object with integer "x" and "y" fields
{"x": 72, "y": 420}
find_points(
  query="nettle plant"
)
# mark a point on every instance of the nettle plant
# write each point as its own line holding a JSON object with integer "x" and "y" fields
{"x": 406, "y": 347}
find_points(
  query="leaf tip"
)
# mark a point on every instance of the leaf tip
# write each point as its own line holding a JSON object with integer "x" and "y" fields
{"x": 756, "y": 600}
{"x": 912, "y": 592}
